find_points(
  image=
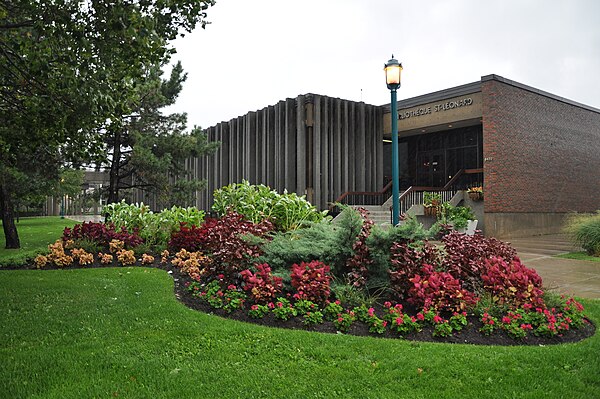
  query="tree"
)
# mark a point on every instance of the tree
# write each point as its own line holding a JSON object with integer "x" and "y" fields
{"x": 66, "y": 67}
{"x": 147, "y": 150}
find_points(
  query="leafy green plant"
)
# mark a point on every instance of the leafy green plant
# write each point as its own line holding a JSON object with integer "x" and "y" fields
{"x": 333, "y": 310}
{"x": 154, "y": 228}
{"x": 312, "y": 318}
{"x": 584, "y": 230}
{"x": 458, "y": 216}
{"x": 287, "y": 211}
{"x": 343, "y": 322}
{"x": 258, "y": 311}
{"x": 432, "y": 199}
{"x": 89, "y": 245}
{"x": 352, "y": 296}
{"x": 283, "y": 309}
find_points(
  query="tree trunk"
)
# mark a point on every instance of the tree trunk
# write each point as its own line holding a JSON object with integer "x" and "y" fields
{"x": 113, "y": 185}
{"x": 8, "y": 221}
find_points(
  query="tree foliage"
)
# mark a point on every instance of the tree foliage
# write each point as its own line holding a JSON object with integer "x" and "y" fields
{"x": 66, "y": 67}
{"x": 147, "y": 150}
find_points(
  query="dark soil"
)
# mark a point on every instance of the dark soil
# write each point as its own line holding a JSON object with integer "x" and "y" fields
{"x": 469, "y": 335}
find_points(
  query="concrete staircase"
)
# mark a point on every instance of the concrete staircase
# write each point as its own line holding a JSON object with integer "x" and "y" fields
{"x": 382, "y": 214}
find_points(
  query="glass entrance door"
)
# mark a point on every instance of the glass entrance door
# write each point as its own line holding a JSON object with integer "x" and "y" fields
{"x": 431, "y": 169}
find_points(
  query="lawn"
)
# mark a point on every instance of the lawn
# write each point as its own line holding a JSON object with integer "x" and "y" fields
{"x": 120, "y": 332}
{"x": 35, "y": 233}
{"x": 579, "y": 256}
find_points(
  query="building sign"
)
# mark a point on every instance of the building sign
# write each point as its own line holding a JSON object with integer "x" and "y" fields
{"x": 445, "y": 106}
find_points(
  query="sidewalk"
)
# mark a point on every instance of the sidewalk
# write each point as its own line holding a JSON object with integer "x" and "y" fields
{"x": 85, "y": 218}
{"x": 568, "y": 276}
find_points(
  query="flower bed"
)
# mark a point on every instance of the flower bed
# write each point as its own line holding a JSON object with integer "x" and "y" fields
{"x": 471, "y": 289}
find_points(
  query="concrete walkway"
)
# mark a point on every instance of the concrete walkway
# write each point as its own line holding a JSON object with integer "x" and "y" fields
{"x": 568, "y": 276}
{"x": 85, "y": 218}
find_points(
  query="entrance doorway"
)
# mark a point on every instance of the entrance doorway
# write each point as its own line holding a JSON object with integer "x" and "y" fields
{"x": 431, "y": 168}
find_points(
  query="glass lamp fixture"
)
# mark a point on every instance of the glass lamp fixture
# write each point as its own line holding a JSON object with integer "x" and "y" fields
{"x": 392, "y": 73}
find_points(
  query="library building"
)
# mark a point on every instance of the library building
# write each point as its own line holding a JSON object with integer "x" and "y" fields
{"x": 535, "y": 155}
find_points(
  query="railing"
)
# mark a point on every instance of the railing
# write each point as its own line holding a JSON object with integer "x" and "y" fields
{"x": 463, "y": 179}
{"x": 365, "y": 197}
{"x": 414, "y": 194}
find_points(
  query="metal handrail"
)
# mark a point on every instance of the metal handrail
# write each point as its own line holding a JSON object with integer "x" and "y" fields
{"x": 415, "y": 193}
{"x": 387, "y": 188}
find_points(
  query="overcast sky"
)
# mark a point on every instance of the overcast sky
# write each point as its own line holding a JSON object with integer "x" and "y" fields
{"x": 255, "y": 53}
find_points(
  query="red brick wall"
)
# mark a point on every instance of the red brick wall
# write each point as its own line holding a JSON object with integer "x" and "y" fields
{"x": 540, "y": 154}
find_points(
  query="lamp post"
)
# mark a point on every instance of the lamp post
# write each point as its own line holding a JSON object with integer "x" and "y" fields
{"x": 392, "y": 78}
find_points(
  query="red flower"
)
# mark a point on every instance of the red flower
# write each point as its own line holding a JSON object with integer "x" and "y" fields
{"x": 420, "y": 316}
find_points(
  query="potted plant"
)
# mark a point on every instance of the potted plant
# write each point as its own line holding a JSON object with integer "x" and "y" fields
{"x": 475, "y": 193}
{"x": 431, "y": 203}
{"x": 461, "y": 218}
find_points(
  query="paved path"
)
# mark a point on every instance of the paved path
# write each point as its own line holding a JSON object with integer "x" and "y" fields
{"x": 86, "y": 218}
{"x": 574, "y": 277}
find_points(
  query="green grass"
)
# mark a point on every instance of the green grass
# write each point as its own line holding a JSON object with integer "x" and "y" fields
{"x": 121, "y": 333}
{"x": 579, "y": 256}
{"x": 35, "y": 234}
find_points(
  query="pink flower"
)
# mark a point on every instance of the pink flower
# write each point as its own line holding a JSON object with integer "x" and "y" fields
{"x": 270, "y": 305}
{"x": 254, "y": 307}
{"x": 399, "y": 321}
{"x": 220, "y": 277}
{"x": 340, "y": 319}
{"x": 371, "y": 312}
{"x": 526, "y": 327}
{"x": 337, "y": 302}
{"x": 231, "y": 287}
{"x": 491, "y": 322}
{"x": 437, "y": 319}
{"x": 413, "y": 319}
{"x": 527, "y": 306}
{"x": 279, "y": 304}
{"x": 398, "y": 307}
{"x": 506, "y": 320}
{"x": 384, "y": 323}
{"x": 420, "y": 316}
{"x": 387, "y": 304}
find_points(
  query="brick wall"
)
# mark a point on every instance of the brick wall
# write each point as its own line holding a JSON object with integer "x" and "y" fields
{"x": 542, "y": 155}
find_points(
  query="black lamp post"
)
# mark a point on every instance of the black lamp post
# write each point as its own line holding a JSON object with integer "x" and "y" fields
{"x": 392, "y": 78}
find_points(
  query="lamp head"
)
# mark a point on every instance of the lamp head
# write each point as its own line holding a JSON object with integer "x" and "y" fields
{"x": 392, "y": 73}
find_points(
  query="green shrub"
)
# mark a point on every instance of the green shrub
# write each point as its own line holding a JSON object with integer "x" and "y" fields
{"x": 584, "y": 230}
{"x": 154, "y": 228}
{"x": 381, "y": 240}
{"x": 287, "y": 211}
{"x": 456, "y": 215}
{"x": 88, "y": 245}
{"x": 324, "y": 241}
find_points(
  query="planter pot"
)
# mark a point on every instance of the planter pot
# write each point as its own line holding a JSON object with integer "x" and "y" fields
{"x": 470, "y": 229}
{"x": 430, "y": 210}
{"x": 476, "y": 196}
